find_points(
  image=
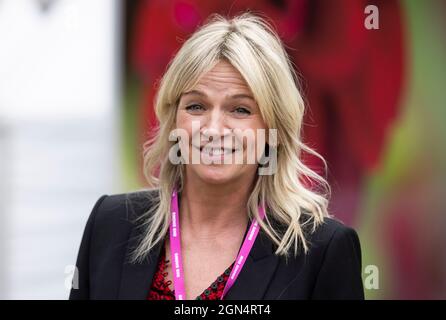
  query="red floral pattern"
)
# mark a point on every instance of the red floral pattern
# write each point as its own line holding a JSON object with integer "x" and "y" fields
{"x": 160, "y": 290}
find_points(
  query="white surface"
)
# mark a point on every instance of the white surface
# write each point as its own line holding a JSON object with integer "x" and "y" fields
{"x": 60, "y": 62}
{"x": 59, "y": 136}
{"x": 59, "y": 171}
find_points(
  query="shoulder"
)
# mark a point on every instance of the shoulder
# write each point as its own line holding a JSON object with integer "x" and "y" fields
{"x": 331, "y": 229}
{"x": 332, "y": 234}
{"x": 105, "y": 241}
{"x": 337, "y": 254}
{"x": 330, "y": 269}
{"x": 116, "y": 214}
{"x": 335, "y": 248}
{"x": 125, "y": 206}
{"x": 330, "y": 238}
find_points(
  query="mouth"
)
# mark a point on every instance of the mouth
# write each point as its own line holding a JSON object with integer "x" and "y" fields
{"x": 217, "y": 152}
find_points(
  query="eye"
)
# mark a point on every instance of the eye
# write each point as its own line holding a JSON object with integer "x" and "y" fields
{"x": 242, "y": 110}
{"x": 194, "y": 107}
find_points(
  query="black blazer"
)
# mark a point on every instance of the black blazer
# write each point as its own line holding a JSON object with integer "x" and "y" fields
{"x": 331, "y": 269}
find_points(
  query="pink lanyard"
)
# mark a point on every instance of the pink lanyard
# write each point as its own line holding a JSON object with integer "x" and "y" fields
{"x": 175, "y": 249}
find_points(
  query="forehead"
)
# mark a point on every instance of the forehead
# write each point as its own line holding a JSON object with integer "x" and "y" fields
{"x": 223, "y": 78}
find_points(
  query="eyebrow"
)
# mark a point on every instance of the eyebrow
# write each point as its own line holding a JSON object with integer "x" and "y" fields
{"x": 202, "y": 94}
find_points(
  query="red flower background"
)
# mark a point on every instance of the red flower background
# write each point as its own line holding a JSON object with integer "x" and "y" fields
{"x": 352, "y": 76}
{"x": 353, "y": 80}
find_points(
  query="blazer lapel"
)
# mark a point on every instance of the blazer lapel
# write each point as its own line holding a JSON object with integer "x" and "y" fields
{"x": 258, "y": 270}
{"x": 136, "y": 278}
{"x": 251, "y": 283}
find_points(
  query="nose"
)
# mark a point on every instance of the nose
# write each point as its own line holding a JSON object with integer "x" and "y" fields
{"x": 214, "y": 125}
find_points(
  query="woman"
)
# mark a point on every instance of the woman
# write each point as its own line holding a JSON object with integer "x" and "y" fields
{"x": 232, "y": 205}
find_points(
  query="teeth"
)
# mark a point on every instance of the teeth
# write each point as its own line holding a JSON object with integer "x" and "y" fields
{"x": 216, "y": 151}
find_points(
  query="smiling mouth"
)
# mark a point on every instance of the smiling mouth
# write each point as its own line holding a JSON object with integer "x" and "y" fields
{"x": 215, "y": 151}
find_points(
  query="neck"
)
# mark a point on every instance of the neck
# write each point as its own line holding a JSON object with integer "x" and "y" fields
{"x": 213, "y": 211}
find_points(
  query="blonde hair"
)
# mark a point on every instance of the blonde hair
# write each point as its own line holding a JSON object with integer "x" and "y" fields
{"x": 250, "y": 44}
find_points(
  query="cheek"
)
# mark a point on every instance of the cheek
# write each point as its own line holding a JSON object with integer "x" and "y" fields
{"x": 183, "y": 124}
{"x": 257, "y": 134}
{"x": 182, "y": 121}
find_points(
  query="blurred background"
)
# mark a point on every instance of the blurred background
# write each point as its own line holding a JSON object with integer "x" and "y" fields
{"x": 77, "y": 82}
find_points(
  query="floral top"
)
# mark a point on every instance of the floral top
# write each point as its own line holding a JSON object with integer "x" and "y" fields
{"x": 159, "y": 290}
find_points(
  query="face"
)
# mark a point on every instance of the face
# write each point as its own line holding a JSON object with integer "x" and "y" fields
{"x": 220, "y": 111}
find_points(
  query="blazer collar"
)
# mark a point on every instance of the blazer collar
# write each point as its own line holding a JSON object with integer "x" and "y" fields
{"x": 251, "y": 283}
{"x": 257, "y": 273}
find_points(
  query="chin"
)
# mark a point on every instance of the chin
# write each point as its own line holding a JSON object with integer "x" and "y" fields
{"x": 215, "y": 173}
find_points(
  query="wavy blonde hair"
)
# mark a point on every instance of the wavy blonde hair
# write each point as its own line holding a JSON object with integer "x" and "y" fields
{"x": 251, "y": 45}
